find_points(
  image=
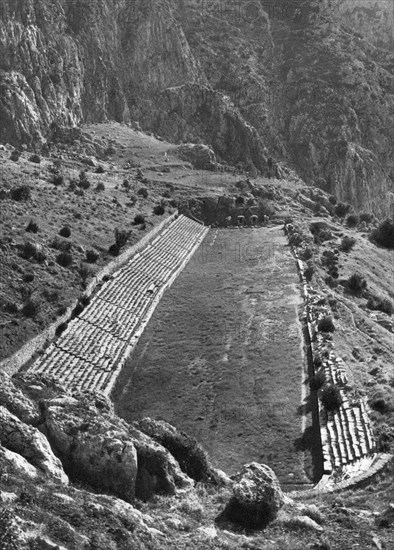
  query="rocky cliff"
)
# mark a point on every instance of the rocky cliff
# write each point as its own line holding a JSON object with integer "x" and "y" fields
{"x": 252, "y": 80}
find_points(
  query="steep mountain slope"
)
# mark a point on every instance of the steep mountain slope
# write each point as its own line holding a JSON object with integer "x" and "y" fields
{"x": 251, "y": 79}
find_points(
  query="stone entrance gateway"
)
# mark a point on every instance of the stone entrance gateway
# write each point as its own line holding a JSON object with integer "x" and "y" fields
{"x": 253, "y": 219}
{"x": 241, "y": 221}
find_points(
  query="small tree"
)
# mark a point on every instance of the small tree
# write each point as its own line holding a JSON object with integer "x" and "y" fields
{"x": 342, "y": 209}
{"x": 159, "y": 210}
{"x": 32, "y": 227}
{"x": 352, "y": 220}
{"x": 356, "y": 283}
{"x": 384, "y": 234}
{"x": 65, "y": 232}
{"x": 22, "y": 193}
{"x": 331, "y": 398}
{"x": 121, "y": 237}
{"x": 347, "y": 244}
{"x": 64, "y": 259}
{"x": 138, "y": 219}
{"x": 326, "y": 324}
{"x": 143, "y": 191}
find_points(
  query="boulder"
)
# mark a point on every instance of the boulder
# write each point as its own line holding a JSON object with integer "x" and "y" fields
{"x": 92, "y": 448}
{"x": 257, "y": 497}
{"x": 13, "y": 463}
{"x": 305, "y": 522}
{"x": 28, "y": 442}
{"x": 158, "y": 471}
{"x": 201, "y": 156}
{"x": 185, "y": 449}
{"x": 16, "y": 402}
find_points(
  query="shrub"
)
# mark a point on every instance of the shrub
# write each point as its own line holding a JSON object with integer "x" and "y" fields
{"x": 332, "y": 200}
{"x": 28, "y": 277}
{"x": 58, "y": 179}
{"x": 384, "y": 234}
{"x": 331, "y": 281}
{"x": 139, "y": 218}
{"x": 326, "y": 324}
{"x": 100, "y": 186}
{"x": 92, "y": 256}
{"x": 35, "y": 158}
{"x": 121, "y": 237}
{"x": 341, "y": 209}
{"x": 143, "y": 191}
{"x": 356, "y": 283}
{"x": 239, "y": 200}
{"x": 29, "y": 250}
{"x": 166, "y": 194}
{"x": 65, "y": 232}
{"x": 331, "y": 397}
{"x": 100, "y": 169}
{"x": 64, "y": 259}
{"x": 114, "y": 249}
{"x": 110, "y": 150}
{"x": 173, "y": 203}
{"x": 83, "y": 183}
{"x": 59, "y": 244}
{"x": 366, "y": 217}
{"x": 85, "y": 271}
{"x": 15, "y": 155}
{"x": 126, "y": 184}
{"x": 309, "y": 271}
{"x": 32, "y": 227}
{"x": 317, "y": 381}
{"x": 295, "y": 239}
{"x": 22, "y": 193}
{"x": 352, "y": 220}
{"x": 159, "y": 210}
{"x": 347, "y": 244}
{"x": 380, "y": 304}
{"x": 307, "y": 253}
{"x": 31, "y": 307}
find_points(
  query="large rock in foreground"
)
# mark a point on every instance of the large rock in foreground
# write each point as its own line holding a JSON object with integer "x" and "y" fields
{"x": 257, "y": 497}
{"x": 32, "y": 445}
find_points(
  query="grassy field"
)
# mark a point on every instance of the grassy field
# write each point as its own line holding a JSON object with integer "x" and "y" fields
{"x": 222, "y": 357}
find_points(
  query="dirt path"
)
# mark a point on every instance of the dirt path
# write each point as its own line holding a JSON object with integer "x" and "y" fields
{"x": 222, "y": 357}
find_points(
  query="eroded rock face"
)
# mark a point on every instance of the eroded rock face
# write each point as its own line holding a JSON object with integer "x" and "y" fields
{"x": 200, "y": 156}
{"x": 32, "y": 445}
{"x": 257, "y": 497}
{"x": 11, "y": 462}
{"x": 16, "y": 402}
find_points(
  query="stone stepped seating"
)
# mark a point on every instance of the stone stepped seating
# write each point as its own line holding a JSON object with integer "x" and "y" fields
{"x": 95, "y": 345}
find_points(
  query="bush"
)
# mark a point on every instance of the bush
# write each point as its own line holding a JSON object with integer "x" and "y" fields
{"x": 121, "y": 237}
{"x": 331, "y": 281}
{"x": 59, "y": 244}
{"x": 29, "y": 250}
{"x": 356, "y": 283}
{"x": 173, "y": 203}
{"x": 384, "y": 234}
{"x": 341, "y": 209}
{"x": 64, "y": 259}
{"x": 326, "y": 324}
{"x": 166, "y": 194}
{"x": 35, "y": 158}
{"x": 15, "y": 155}
{"x": 159, "y": 210}
{"x": 31, "y": 308}
{"x": 100, "y": 186}
{"x": 100, "y": 169}
{"x": 352, "y": 220}
{"x": 239, "y": 201}
{"x": 114, "y": 249}
{"x": 138, "y": 219}
{"x": 332, "y": 200}
{"x": 22, "y": 193}
{"x": 28, "y": 277}
{"x": 380, "y": 304}
{"x": 309, "y": 271}
{"x": 32, "y": 227}
{"x": 317, "y": 381}
{"x": 366, "y": 217}
{"x": 85, "y": 271}
{"x": 295, "y": 239}
{"x": 92, "y": 256}
{"x": 143, "y": 191}
{"x": 126, "y": 184}
{"x": 83, "y": 183}
{"x": 306, "y": 254}
{"x": 347, "y": 244}
{"x": 331, "y": 398}
{"x": 65, "y": 232}
{"x": 58, "y": 179}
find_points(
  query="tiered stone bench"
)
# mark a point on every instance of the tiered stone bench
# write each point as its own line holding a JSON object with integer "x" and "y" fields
{"x": 90, "y": 353}
{"x": 348, "y": 445}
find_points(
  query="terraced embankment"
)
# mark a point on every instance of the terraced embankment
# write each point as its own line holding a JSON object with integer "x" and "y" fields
{"x": 222, "y": 357}
{"x": 90, "y": 353}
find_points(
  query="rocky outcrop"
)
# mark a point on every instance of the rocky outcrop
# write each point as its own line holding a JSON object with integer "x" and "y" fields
{"x": 32, "y": 445}
{"x": 11, "y": 462}
{"x": 257, "y": 497}
{"x": 200, "y": 156}
{"x": 17, "y": 402}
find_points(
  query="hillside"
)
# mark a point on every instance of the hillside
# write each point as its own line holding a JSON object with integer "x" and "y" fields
{"x": 251, "y": 81}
